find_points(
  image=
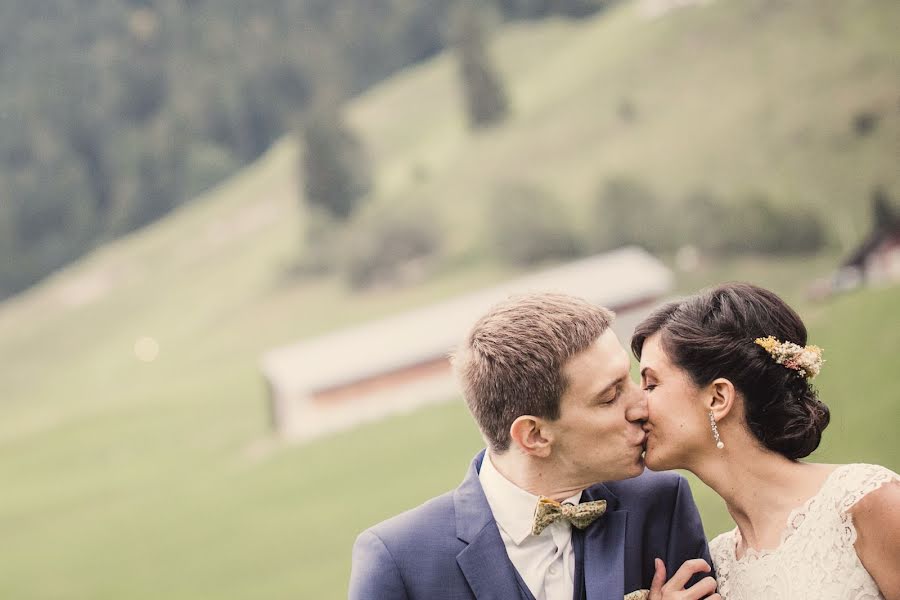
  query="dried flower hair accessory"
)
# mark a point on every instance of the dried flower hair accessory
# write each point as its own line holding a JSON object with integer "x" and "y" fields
{"x": 805, "y": 360}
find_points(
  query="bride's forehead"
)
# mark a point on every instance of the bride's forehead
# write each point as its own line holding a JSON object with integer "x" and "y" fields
{"x": 652, "y": 350}
{"x": 654, "y": 355}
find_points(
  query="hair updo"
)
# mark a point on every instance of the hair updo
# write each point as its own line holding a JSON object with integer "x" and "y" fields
{"x": 711, "y": 335}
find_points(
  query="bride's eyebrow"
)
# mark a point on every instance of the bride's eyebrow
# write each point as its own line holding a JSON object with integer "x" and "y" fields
{"x": 647, "y": 370}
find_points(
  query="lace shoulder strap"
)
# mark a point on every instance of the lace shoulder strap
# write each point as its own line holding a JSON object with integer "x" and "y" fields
{"x": 720, "y": 547}
{"x": 851, "y": 483}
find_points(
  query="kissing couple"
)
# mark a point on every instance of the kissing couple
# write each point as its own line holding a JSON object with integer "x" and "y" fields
{"x": 572, "y": 498}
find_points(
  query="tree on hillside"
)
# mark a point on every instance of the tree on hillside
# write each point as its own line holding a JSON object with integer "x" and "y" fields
{"x": 485, "y": 96}
{"x": 884, "y": 214}
{"x": 335, "y": 169}
{"x": 86, "y": 136}
{"x": 534, "y": 9}
{"x": 160, "y": 174}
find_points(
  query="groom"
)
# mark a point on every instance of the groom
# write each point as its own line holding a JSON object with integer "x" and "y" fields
{"x": 548, "y": 383}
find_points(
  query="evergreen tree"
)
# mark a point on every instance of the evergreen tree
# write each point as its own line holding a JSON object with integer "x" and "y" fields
{"x": 883, "y": 213}
{"x": 335, "y": 170}
{"x": 486, "y": 101}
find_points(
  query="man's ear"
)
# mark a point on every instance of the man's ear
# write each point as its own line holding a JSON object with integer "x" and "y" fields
{"x": 721, "y": 398}
{"x": 531, "y": 435}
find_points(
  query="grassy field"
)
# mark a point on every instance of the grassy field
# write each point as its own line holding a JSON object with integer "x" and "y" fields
{"x": 125, "y": 479}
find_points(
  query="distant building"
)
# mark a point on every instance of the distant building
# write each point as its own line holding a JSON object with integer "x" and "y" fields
{"x": 398, "y": 363}
{"x": 876, "y": 261}
{"x": 653, "y": 9}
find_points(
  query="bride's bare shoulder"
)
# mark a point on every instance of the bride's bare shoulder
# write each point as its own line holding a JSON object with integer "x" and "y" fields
{"x": 878, "y": 503}
{"x": 876, "y": 518}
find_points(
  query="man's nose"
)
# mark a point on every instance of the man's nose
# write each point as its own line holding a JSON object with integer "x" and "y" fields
{"x": 637, "y": 407}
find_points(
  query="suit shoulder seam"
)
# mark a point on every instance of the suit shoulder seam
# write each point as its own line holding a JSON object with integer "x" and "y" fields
{"x": 393, "y": 561}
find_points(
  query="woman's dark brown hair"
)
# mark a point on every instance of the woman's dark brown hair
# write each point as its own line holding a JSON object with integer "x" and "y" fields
{"x": 711, "y": 335}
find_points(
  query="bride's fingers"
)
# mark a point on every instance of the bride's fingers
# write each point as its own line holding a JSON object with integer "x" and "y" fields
{"x": 686, "y": 571}
{"x": 699, "y": 590}
{"x": 659, "y": 578}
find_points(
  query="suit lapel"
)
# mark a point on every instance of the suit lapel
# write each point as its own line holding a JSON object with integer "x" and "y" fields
{"x": 484, "y": 562}
{"x": 487, "y": 568}
{"x": 604, "y": 550}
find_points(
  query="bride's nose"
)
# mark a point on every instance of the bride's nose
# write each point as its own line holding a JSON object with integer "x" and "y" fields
{"x": 637, "y": 407}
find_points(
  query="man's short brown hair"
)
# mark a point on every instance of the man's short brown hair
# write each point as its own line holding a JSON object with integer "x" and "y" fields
{"x": 511, "y": 362}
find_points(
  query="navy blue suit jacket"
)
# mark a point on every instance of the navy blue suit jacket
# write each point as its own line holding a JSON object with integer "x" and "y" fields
{"x": 450, "y": 547}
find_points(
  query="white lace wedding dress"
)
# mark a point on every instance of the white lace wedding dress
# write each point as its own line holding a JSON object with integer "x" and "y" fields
{"x": 816, "y": 559}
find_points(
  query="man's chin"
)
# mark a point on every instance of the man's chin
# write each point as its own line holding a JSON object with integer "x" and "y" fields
{"x": 635, "y": 469}
{"x": 624, "y": 472}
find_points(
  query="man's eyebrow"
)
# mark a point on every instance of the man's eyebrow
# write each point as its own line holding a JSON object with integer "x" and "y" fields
{"x": 612, "y": 385}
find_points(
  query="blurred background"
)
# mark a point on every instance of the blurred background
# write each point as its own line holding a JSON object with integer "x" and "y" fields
{"x": 189, "y": 188}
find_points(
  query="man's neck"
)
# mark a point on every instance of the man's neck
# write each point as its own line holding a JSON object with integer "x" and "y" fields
{"x": 534, "y": 475}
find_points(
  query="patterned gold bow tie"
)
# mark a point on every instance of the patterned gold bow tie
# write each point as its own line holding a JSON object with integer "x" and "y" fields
{"x": 581, "y": 515}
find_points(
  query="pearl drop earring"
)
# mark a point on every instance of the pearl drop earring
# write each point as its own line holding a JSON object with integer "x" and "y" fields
{"x": 712, "y": 423}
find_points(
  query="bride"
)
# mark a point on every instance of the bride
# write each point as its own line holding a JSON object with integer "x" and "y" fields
{"x": 726, "y": 375}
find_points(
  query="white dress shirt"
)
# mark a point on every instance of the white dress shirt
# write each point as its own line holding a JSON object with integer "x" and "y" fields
{"x": 546, "y": 562}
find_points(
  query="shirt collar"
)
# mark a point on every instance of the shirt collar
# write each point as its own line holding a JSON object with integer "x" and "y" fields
{"x": 513, "y": 507}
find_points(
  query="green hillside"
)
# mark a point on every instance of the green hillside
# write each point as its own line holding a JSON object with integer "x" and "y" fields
{"x": 735, "y": 98}
{"x": 125, "y": 479}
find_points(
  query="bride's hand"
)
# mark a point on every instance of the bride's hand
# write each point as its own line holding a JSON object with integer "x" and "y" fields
{"x": 674, "y": 588}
